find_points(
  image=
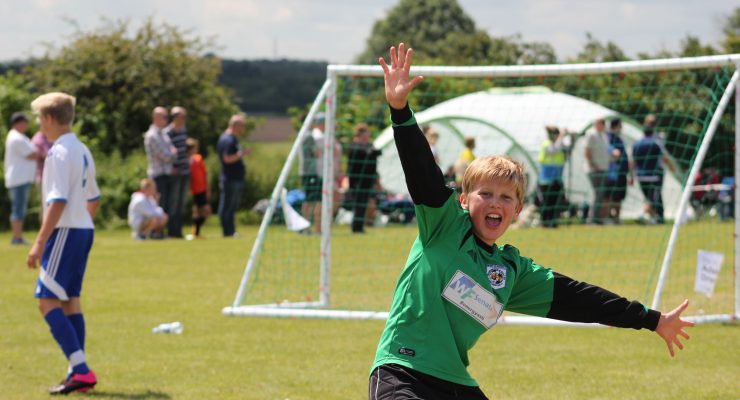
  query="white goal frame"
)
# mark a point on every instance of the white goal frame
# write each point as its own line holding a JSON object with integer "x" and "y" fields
{"x": 327, "y": 94}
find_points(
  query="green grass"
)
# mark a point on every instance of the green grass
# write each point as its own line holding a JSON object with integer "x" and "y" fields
{"x": 131, "y": 287}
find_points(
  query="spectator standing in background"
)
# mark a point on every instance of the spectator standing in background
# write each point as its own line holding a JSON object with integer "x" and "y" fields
{"x": 550, "y": 180}
{"x": 199, "y": 188}
{"x": 180, "y": 172}
{"x": 619, "y": 171}
{"x": 649, "y": 157}
{"x": 597, "y": 159}
{"x": 432, "y": 137}
{"x": 160, "y": 154}
{"x": 362, "y": 171}
{"x": 20, "y": 172}
{"x": 42, "y": 145}
{"x": 466, "y": 157}
{"x": 310, "y": 169}
{"x": 233, "y": 172}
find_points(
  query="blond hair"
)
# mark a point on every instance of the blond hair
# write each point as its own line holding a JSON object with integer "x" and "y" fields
{"x": 147, "y": 183}
{"x": 495, "y": 167}
{"x": 176, "y": 111}
{"x": 57, "y": 105}
{"x": 240, "y": 118}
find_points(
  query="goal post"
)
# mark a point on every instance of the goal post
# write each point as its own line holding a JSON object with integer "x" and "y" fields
{"x": 328, "y": 271}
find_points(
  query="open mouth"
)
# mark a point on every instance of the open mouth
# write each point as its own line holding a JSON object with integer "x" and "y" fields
{"x": 494, "y": 220}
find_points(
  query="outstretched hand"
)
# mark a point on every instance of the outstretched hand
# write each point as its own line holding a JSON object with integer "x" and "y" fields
{"x": 397, "y": 84}
{"x": 671, "y": 326}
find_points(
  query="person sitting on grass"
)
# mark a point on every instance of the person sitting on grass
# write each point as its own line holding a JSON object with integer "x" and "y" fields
{"x": 145, "y": 217}
{"x": 458, "y": 280}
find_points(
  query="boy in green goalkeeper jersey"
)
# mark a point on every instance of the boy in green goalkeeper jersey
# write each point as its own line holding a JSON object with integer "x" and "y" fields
{"x": 457, "y": 281}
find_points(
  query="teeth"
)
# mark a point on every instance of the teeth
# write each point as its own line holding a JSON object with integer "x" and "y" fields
{"x": 494, "y": 216}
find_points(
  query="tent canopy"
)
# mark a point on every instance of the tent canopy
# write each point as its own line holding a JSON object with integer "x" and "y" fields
{"x": 512, "y": 122}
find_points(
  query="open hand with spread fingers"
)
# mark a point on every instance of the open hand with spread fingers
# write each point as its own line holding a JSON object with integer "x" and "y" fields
{"x": 397, "y": 83}
{"x": 671, "y": 326}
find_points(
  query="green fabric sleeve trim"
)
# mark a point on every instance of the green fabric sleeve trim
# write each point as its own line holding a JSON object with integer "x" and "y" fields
{"x": 411, "y": 121}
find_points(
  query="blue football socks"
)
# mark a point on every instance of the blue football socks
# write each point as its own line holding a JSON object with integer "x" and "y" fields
{"x": 64, "y": 333}
{"x": 78, "y": 322}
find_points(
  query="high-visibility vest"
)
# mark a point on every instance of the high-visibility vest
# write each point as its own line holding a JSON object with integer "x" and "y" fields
{"x": 551, "y": 165}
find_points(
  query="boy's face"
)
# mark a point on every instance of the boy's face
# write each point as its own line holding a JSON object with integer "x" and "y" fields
{"x": 150, "y": 190}
{"x": 492, "y": 205}
{"x": 45, "y": 122}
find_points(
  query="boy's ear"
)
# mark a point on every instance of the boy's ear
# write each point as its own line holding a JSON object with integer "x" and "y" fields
{"x": 464, "y": 201}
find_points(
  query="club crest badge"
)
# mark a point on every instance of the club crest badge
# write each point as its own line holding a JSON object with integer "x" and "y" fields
{"x": 496, "y": 275}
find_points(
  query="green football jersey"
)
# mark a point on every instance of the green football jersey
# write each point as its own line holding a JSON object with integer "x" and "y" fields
{"x": 451, "y": 291}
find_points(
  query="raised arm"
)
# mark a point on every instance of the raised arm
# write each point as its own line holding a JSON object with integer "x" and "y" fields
{"x": 424, "y": 179}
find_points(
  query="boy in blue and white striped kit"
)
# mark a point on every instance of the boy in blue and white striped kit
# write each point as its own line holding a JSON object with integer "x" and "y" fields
{"x": 71, "y": 197}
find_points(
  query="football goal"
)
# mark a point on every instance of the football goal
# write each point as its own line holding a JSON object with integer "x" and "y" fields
{"x": 336, "y": 232}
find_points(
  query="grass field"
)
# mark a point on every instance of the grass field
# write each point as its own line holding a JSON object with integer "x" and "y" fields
{"x": 131, "y": 287}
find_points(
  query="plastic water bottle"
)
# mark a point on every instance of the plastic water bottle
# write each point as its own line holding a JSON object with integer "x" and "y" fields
{"x": 172, "y": 327}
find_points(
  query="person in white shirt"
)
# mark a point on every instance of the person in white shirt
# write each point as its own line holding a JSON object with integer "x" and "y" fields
{"x": 145, "y": 216}
{"x": 597, "y": 164}
{"x": 65, "y": 238}
{"x": 20, "y": 171}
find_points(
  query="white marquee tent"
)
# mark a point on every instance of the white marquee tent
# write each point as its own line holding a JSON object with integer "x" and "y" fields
{"x": 511, "y": 122}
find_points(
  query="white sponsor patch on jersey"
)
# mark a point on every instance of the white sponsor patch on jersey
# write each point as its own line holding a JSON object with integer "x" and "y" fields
{"x": 497, "y": 275}
{"x": 473, "y": 299}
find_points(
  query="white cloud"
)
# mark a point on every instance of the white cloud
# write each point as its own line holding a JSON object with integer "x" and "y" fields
{"x": 45, "y": 5}
{"x": 284, "y": 14}
{"x": 231, "y": 9}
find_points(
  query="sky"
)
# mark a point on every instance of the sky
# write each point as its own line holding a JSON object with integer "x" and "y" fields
{"x": 337, "y": 30}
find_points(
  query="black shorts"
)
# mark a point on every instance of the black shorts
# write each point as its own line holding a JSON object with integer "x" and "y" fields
{"x": 394, "y": 382}
{"x": 199, "y": 199}
{"x": 312, "y": 186}
{"x": 651, "y": 190}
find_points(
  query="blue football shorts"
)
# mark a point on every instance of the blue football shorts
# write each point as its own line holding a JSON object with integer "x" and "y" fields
{"x": 63, "y": 263}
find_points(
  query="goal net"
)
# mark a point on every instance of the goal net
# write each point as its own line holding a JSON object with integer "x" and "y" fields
{"x": 644, "y": 208}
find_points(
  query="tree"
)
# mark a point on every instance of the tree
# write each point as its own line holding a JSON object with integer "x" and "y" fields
{"x": 119, "y": 77}
{"x": 435, "y": 29}
{"x": 731, "y": 29}
{"x": 691, "y": 46}
{"x": 513, "y": 50}
{"x": 595, "y": 51}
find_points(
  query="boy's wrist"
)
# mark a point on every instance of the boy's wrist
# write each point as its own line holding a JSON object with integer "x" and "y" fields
{"x": 403, "y": 116}
{"x": 652, "y": 319}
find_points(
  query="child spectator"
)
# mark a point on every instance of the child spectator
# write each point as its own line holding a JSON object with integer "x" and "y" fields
{"x": 457, "y": 281}
{"x": 198, "y": 187}
{"x": 145, "y": 217}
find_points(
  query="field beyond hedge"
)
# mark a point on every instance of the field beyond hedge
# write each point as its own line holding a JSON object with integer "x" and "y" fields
{"x": 133, "y": 286}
